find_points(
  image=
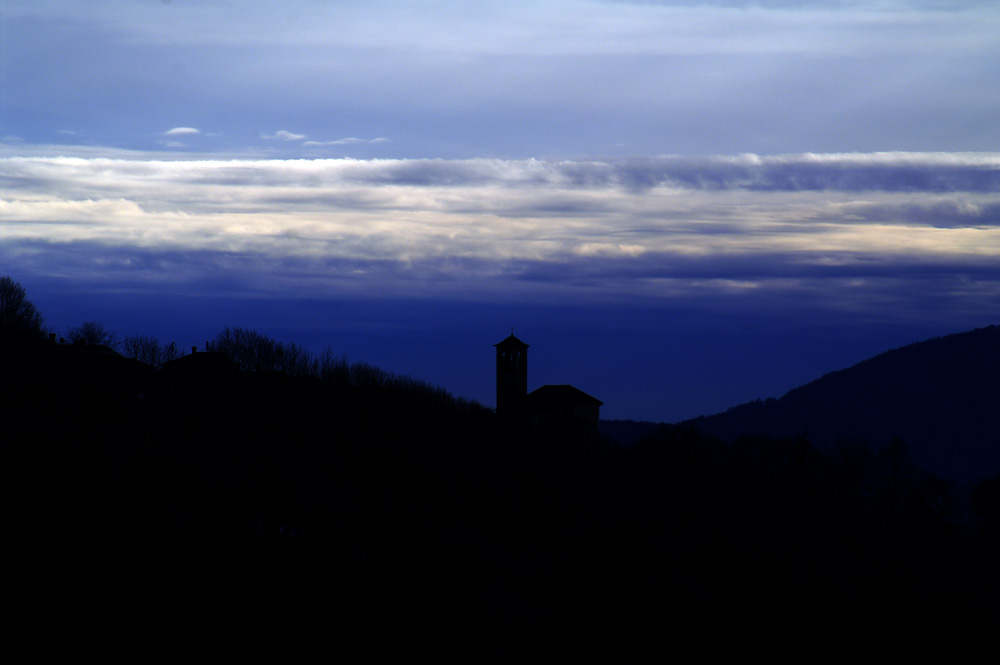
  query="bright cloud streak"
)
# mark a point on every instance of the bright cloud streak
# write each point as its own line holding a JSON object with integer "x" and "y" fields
{"x": 284, "y": 135}
{"x": 351, "y": 140}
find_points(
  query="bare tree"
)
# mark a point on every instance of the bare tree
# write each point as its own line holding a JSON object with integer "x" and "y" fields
{"x": 147, "y": 349}
{"x": 365, "y": 375}
{"x": 92, "y": 333}
{"x": 252, "y": 351}
{"x": 169, "y": 352}
{"x": 333, "y": 369}
{"x": 17, "y": 314}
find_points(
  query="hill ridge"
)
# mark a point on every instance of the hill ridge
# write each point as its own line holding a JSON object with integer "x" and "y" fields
{"x": 939, "y": 395}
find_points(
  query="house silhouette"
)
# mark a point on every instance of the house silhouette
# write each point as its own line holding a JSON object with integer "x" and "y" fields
{"x": 559, "y": 409}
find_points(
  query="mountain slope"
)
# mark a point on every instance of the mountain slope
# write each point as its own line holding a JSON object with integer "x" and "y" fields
{"x": 942, "y": 396}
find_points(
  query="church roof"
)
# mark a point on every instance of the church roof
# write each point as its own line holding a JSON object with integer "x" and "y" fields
{"x": 561, "y": 395}
{"x": 511, "y": 341}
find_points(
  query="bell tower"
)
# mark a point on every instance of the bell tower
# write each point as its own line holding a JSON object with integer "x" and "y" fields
{"x": 512, "y": 373}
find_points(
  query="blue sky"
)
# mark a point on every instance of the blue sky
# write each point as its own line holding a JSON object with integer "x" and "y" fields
{"x": 679, "y": 205}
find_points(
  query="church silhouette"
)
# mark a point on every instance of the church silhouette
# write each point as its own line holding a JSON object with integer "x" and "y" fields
{"x": 559, "y": 409}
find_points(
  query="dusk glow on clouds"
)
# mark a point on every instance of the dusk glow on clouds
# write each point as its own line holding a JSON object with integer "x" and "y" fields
{"x": 699, "y": 183}
{"x": 666, "y": 227}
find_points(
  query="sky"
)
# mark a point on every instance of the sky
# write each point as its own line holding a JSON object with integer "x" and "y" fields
{"x": 679, "y": 205}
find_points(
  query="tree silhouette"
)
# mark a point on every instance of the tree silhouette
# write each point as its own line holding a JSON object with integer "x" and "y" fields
{"x": 147, "y": 349}
{"x": 18, "y": 315}
{"x": 92, "y": 333}
{"x": 252, "y": 351}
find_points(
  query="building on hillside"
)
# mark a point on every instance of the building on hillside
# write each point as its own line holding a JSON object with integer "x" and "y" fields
{"x": 512, "y": 374}
{"x": 560, "y": 409}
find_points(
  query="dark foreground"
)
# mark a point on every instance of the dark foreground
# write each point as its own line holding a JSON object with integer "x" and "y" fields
{"x": 372, "y": 512}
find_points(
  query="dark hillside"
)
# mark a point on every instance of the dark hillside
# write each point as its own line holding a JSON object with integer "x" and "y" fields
{"x": 367, "y": 508}
{"x": 941, "y": 396}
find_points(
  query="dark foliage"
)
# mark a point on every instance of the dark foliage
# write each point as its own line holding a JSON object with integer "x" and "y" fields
{"x": 148, "y": 350}
{"x": 18, "y": 316}
{"x": 353, "y": 501}
{"x": 92, "y": 333}
{"x": 252, "y": 351}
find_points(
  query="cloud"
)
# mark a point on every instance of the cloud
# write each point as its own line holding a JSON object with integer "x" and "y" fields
{"x": 177, "y": 131}
{"x": 835, "y": 227}
{"x": 852, "y": 172}
{"x": 289, "y": 136}
{"x": 284, "y": 136}
{"x": 348, "y": 141}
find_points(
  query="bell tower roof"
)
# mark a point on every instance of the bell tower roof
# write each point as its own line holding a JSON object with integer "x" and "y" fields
{"x": 511, "y": 342}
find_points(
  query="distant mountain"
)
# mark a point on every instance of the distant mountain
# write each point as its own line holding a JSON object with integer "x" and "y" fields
{"x": 941, "y": 396}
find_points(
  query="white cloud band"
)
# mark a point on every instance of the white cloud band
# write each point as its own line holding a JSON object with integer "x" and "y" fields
{"x": 178, "y": 131}
{"x": 648, "y": 227}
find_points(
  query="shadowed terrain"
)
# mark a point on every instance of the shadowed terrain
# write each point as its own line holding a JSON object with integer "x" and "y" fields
{"x": 939, "y": 396}
{"x": 353, "y": 498}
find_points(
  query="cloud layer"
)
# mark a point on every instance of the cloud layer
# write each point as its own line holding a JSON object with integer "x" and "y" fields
{"x": 662, "y": 228}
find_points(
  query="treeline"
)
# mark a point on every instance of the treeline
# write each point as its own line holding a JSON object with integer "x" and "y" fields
{"x": 248, "y": 350}
{"x": 252, "y": 351}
